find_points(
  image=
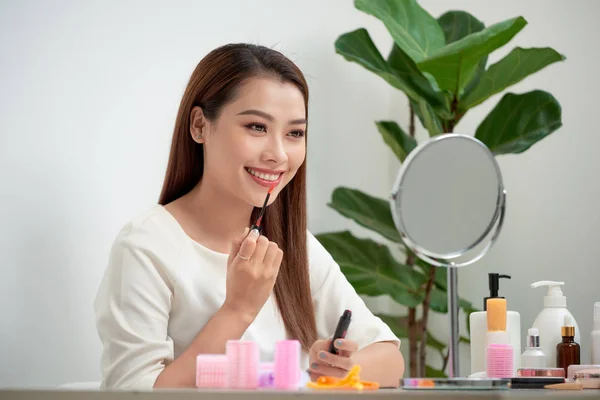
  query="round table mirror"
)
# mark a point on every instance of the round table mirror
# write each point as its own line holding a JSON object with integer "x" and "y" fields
{"x": 448, "y": 204}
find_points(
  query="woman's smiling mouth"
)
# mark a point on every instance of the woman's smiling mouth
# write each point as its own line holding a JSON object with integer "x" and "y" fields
{"x": 265, "y": 177}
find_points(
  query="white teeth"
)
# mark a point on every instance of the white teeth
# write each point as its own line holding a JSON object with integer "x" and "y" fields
{"x": 266, "y": 177}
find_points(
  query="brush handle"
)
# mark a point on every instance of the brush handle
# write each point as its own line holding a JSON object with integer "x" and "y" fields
{"x": 565, "y": 386}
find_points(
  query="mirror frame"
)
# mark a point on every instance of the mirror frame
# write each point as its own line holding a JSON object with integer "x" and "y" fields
{"x": 445, "y": 260}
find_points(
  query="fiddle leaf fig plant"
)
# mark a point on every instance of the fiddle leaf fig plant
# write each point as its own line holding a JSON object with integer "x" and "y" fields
{"x": 441, "y": 65}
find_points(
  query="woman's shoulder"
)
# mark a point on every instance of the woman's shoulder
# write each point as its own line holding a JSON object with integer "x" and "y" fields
{"x": 317, "y": 254}
{"x": 321, "y": 265}
{"x": 153, "y": 229}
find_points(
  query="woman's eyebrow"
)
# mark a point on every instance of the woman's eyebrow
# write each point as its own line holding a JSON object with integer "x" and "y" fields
{"x": 269, "y": 117}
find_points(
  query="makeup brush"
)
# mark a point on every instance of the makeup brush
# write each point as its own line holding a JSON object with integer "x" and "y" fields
{"x": 256, "y": 225}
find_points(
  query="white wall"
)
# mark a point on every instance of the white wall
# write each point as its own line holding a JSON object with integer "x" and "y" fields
{"x": 88, "y": 100}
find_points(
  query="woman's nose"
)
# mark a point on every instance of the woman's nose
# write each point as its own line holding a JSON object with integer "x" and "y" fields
{"x": 275, "y": 151}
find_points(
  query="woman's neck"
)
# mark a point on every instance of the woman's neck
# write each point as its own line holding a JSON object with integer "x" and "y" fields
{"x": 215, "y": 217}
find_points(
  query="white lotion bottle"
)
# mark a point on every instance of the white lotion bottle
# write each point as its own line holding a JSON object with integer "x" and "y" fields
{"x": 551, "y": 319}
{"x": 479, "y": 329}
{"x": 533, "y": 356}
{"x": 595, "y": 336}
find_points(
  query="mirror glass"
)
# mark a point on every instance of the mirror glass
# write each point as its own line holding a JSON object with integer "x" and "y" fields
{"x": 448, "y": 200}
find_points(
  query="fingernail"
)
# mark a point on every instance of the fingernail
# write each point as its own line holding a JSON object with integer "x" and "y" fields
{"x": 339, "y": 342}
{"x": 322, "y": 354}
{"x": 254, "y": 233}
{"x": 314, "y": 365}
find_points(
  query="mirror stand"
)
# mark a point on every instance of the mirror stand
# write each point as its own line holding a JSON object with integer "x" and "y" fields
{"x": 448, "y": 204}
{"x": 453, "y": 309}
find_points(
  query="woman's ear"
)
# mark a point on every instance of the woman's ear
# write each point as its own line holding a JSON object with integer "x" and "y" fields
{"x": 197, "y": 124}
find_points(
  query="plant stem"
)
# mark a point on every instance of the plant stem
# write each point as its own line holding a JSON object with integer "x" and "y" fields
{"x": 412, "y": 340}
{"x": 446, "y": 358}
{"x": 453, "y": 108}
{"x": 422, "y": 350}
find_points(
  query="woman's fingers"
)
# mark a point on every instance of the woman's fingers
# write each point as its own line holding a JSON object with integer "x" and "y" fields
{"x": 316, "y": 370}
{"x": 278, "y": 258}
{"x": 346, "y": 345}
{"x": 334, "y": 360}
{"x": 270, "y": 254}
{"x": 262, "y": 244}
{"x": 248, "y": 246}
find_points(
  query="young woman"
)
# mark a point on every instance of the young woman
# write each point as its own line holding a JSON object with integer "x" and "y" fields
{"x": 186, "y": 276}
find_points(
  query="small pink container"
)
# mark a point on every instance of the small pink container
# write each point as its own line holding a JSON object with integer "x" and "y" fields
{"x": 287, "y": 364}
{"x": 500, "y": 361}
{"x": 242, "y": 364}
{"x": 211, "y": 371}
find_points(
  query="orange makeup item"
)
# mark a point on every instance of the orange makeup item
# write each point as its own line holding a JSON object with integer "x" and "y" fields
{"x": 350, "y": 382}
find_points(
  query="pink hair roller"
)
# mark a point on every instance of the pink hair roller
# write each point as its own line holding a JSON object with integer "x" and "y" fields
{"x": 243, "y": 361}
{"x": 287, "y": 364}
{"x": 211, "y": 371}
{"x": 500, "y": 361}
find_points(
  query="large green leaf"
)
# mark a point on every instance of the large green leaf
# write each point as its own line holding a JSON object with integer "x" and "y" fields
{"x": 519, "y": 121}
{"x": 413, "y": 29}
{"x": 438, "y": 300}
{"x": 431, "y": 372}
{"x": 428, "y": 118}
{"x": 465, "y": 304}
{"x": 399, "y": 327}
{"x": 371, "y": 269}
{"x": 455, "y": 65}
{"x": 435, "y": 343}
{"x": 457, "y": 25}
{"x": 398, "y": 140}
{"x": 513, "y": 68}
{"x": 424, "y": 87}
{"x": 397, "y": 324}
{"x": 440, "y": 275}
{"x": 368, "y": 211}
{"x": 401, "y": 72}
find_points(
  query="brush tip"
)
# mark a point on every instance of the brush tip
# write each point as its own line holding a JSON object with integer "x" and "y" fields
{"x": 271, "y": 189}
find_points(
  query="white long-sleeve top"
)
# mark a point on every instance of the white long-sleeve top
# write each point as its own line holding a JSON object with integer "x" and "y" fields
{"x": 161, "y": 287}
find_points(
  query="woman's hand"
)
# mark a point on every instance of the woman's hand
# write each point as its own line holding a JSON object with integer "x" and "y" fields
{"x": 322, "y": 362}
{"x": 252, "y": 269}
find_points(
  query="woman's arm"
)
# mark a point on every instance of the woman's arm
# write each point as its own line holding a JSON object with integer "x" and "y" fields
{"x": 133, "y": 308}
{"x": 380, "y": 362}
{"x": 378, "y": 351}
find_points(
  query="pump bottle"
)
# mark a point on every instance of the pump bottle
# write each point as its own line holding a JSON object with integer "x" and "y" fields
{"x": 479, "y": 329}
{"x": 549, "y": 321}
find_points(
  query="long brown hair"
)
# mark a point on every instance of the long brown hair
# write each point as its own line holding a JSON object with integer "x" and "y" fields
{"x": 215, "y": 82}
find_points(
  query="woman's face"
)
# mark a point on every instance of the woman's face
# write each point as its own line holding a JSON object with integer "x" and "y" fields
{"x": 258, "y": 140}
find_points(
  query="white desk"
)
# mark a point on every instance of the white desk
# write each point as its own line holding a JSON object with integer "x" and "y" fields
{"x": 190, "y": 394}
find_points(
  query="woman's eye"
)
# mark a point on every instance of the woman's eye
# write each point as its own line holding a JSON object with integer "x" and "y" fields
{"x": 297, "y": 134}
{"x": 257, "y": 127}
